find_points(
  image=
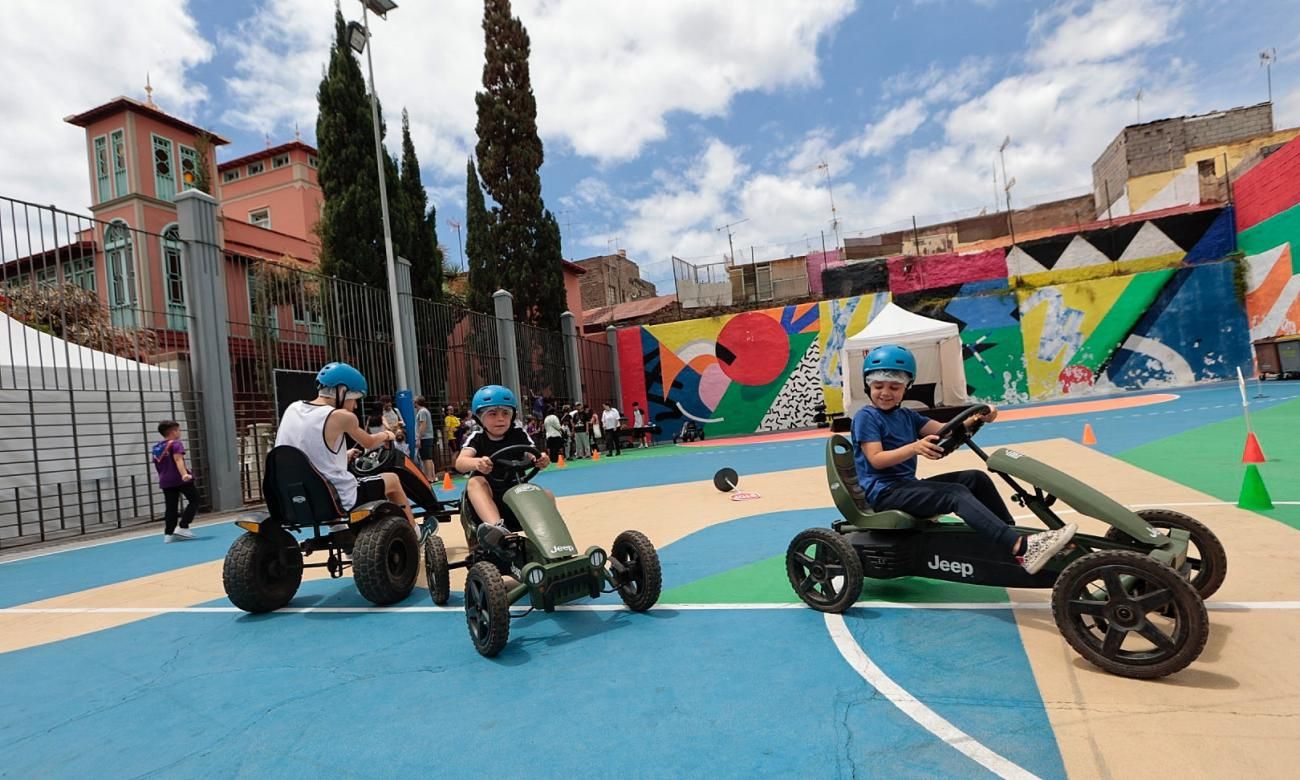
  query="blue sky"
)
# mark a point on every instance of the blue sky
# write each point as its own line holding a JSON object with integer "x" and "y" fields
{"x": 663, "y": 121}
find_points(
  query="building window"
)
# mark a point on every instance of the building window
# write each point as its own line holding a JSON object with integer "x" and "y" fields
{"x": 279, "y": 161}
{"x": 230, "y": 175}
{"x": 256, "y": 168}
{"x": 102, "y": 181}
{"x": 17, "y": 280}
{"x": 173, "y": 279}
{"x": 189, "y": 168}
{"x": 80, "y": 272}
{"x": 121, "y": 274}
{"x": 311, "y": 160}
{"x": 164, "y": 177}
{"x": 117, "y": 141}
{"x": 260, "y": 218}
{"x": 48, "y": 276}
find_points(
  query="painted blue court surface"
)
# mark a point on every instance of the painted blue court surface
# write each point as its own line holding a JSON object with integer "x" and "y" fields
{"x": 331, "y": 687}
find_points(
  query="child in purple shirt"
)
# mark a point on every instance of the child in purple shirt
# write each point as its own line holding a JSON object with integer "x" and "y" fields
{"x": 175, "y": 480}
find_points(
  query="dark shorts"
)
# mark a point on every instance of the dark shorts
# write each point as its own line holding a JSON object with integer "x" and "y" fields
{"x": 426, "y": 449}
{"x": 370, "y": 489}
{"x": 498, "y": 497}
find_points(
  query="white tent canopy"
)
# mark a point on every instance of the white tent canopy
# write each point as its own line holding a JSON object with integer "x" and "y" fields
{"x": 936, "y": 345}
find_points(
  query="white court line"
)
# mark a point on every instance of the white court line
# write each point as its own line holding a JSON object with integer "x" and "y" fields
{"x": 913, "y": 708}
{"x": 1213, "y": 606}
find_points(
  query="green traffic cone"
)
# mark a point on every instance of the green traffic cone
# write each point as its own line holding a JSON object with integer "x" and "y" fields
{"x": 1253, "y": 493}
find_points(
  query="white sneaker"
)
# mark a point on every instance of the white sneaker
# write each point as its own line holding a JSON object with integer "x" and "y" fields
{"x": 1040, "y": 548}
{"x": 168, "y": 538}
{"x": 183, "y": 533}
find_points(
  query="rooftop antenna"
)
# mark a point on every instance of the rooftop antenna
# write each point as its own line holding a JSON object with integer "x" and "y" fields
{"x": 835, "y": 221}
{"x": 1266, "y": 59}
{"x": 148, "y": 91}
{"x": 1138, "y": 99}
{"x": 731, "y": 259}
{"x": 297, "y": 134}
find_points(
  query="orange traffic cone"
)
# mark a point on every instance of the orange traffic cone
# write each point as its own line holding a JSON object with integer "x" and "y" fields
{"x": 595, "y": 454}
{"x": 446, "y": 481}
{"x": 560, "y": 463}
{"x": 1088, "y": 436}
{"x": 1253, "y": 453}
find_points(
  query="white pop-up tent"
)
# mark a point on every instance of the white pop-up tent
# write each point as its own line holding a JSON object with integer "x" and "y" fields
{"x": 936, "y": 345}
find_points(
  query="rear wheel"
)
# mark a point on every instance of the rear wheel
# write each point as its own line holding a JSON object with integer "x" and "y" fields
{"x": 487, "y": 611}
{"x": 385, "y": 560}
{"x": 1129, "y": 614}
{"x": 641, "y": 579}
{"x": 1207, "y": 560}
{"x": 824, "y": 570}
{"x": 436, "y": 570}
{"x": 262, "y": 571}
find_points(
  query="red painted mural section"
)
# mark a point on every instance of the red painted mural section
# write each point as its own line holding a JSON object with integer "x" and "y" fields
{"x": 911, "y": 274}
{"x": 1269, "y": 188}
{"x": 631, "y": 368}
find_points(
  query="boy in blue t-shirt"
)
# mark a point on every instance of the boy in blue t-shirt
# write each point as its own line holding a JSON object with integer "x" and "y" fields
{"x": 494, "y": 407}
{"x": 887, "y": 438}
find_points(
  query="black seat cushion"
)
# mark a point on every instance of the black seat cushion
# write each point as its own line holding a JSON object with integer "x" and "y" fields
{"x": 296, "y": 493}
{"x": 849, "y": 478}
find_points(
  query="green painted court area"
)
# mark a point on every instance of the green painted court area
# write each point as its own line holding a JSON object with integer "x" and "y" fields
{"x": 1208, "y": 458}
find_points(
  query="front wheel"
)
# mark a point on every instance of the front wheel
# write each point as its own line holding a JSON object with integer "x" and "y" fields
{"x": 487, "y": 610}
{"x": 262, "y": 571}
{"x": 641, "y": 579}
{"x": 385, "y": 560}
{"x": 436, "y": 571}
{"x": 824, "y": 570}
{"x": 1207, "y": 560}
{"x": 1129, "y": 614}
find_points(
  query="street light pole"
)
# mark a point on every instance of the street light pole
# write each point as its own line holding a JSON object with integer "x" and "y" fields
{"x": 460, "y": 249}
{"x": 399, "y": 351}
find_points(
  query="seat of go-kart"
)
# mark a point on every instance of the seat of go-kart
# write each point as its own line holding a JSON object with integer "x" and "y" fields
{"x": 296, "y": 493}
{"x": 849, "y": 497}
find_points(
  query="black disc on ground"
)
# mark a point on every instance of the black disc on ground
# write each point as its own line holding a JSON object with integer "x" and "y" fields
{"x": 726, "y": 480}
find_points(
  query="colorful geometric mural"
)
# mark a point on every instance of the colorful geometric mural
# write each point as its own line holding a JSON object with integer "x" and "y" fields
{"x": 1273, "y": 275}
{"x": 758, "y": 370}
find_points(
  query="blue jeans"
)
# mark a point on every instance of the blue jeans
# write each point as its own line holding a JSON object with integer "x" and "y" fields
{"x": 971, "y": 495}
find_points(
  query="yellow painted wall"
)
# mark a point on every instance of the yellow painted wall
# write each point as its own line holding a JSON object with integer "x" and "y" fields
{"x": 1143, "y": 188}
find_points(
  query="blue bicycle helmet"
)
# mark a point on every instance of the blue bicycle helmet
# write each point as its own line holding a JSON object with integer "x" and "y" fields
{"x": 334, "y": 375}
{"x": 492, "y": 395}
{"x": 890, "y": 357}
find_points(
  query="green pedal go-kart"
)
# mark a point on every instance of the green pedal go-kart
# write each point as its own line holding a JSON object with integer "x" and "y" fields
{"x": 543, "y": 560}
{"x": 264, "y": 566}
{"x": 1131, "y": 602}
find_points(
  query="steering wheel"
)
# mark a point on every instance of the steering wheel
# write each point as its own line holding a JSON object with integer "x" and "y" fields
{"x": 954, "y": 433}
{"x": 517, "y": 465}
{"x": 372, "y": 460}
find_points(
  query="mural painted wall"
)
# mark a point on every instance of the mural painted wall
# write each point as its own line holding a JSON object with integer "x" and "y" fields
{"x": 1268, "y": 221}
{"x": 1140, "y": 303}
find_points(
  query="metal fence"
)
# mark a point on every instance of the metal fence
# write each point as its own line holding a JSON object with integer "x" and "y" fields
{"x": 596, "y": 371}
{"x": 543, "y": 370}
{"x": 93, "y": 355}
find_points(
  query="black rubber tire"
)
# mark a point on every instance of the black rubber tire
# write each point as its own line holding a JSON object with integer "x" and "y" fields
{"x": 435, "y": 569}
{"x": 812, "y": 577}
{"x": 487, "y": 612}
{"x": 637, "y": 554}
{"x": 386, "y": 560}
{"x": 1209, "y": 559}
{"x": 1098, "y": 632}
{"x": 255, "y": 578}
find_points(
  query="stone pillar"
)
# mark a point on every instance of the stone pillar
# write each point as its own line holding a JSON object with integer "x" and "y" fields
{"x": 573, "y": 369}
{"x": 204, "y": 279}
{"x": 503, "y": 304}
{"x": 406, "y": 311}
{"x": 611, "y": 335}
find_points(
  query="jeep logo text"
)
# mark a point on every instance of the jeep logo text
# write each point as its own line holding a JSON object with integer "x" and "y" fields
{"x": 956, "y": 567}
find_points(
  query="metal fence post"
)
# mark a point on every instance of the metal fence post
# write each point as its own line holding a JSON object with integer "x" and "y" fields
{"x": 503, "y": 304}
{"x": 569, "y": 329}
{"x": 611, "y": 335}
{"x": 406, "y": 311}
{"x": 204, "y": 280}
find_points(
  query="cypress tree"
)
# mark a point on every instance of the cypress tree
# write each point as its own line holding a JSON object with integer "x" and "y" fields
{"x": 351, "y": 227}
{"x": 510, "y": 155}
{"x": 420, "y": 237}
{"x": 484, "y": 278}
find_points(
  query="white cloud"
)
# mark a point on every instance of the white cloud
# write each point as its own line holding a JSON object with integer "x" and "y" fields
{"x": 606, "y": 75}
{"x": 57, "y": 60}
{"x": 898, "y": 123}
{"x": 1107, "y": 29}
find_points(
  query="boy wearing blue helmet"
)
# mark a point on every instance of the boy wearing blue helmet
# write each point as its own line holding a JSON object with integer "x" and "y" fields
{"x": 495, "y": 409}
{"x": 317, "y": 428}
{"x": 888, "y": 437}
